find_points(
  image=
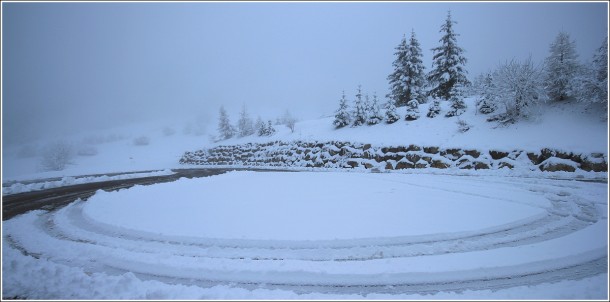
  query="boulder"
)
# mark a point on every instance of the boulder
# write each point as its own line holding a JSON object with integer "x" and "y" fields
{"x": 497, "y": 154}
{"x": 431, "y": 150}
{"x": 473, "y": 153}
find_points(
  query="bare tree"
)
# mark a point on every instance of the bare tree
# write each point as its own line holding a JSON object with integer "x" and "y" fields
{"x": 518, "y": 86}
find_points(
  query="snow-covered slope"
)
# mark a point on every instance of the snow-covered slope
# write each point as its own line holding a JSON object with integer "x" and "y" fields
{"x": 562, "y": 126}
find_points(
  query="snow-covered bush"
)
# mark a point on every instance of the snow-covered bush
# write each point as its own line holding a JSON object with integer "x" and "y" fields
{"x": 463, "y": 126}
{"x": 56, "y": 155}
{"x": 518, "y": 87}
{"x": 141, "y": 141}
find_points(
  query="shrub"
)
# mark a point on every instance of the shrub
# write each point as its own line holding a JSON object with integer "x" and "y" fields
{"x": 56, "y": 156}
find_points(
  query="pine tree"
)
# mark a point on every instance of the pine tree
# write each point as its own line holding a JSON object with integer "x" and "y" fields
{"x": 448, "y": 64}
{"x": 225, "y": 129}
{"x": 396, "y": 78}
{"x": 457, "y": 101}
{"x": 593, "y": 80}
{"x": 342, "y": 115}
{"x": 244, "y": 124}
{"x": 487, "y": 102}
{"x": 412, "y": 110}
{"x": 359, "y": 109}
{"x": 434, "y": 109}
{"x": 390, "y": 112}
{"x": 367, "y": 107}
{"x": 269, "y": 130}
{"x": 374, "y": 114}
{"x": 261, "y": 129}
{"x": 561, "y": 67}
{"x": 414, "y": 71}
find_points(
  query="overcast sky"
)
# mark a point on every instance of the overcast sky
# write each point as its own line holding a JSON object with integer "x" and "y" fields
{"x": 89, "y": 65}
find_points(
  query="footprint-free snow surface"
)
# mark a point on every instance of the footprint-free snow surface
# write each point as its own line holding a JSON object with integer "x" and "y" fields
{"x": 308, "y": 235}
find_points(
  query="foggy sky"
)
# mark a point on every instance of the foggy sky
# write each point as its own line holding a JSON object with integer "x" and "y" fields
{"x": 70, "y": 66}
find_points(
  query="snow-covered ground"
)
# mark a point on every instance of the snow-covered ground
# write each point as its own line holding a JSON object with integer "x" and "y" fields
{"x": 391, "y": 236}
{"x": 418, "y": 234}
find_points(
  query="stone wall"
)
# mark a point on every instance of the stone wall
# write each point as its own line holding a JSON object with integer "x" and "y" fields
{"x": 337, "y": 154}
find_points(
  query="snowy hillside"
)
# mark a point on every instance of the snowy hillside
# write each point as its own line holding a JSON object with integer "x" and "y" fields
{"x": 572, "y": 127}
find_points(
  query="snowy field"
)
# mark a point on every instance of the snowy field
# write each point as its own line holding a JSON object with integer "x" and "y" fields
{"x": 318, "y": 235}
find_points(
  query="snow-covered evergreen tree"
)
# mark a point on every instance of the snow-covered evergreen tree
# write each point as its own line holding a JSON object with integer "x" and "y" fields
{"x": 593, "y": 79}
{"x": 260, "y": 126}
{"x": 342, "y": 115}
{"x": 244, "y": 124}
{"x": 434, "y": 109}
{"x": 415, "y": 72}
{"x": 390, "y": 112}
{"x": 396, "y": 78}
{"x": 457, "y": 101}
{"x": 518, "y": 86}
{"x": 359, "y": 113}
{"x": 448, "y": 64}
{"x": 407, "y": 81}
{"x": 225, "y": 129}
{"x": 486, "y": 89}
{"x": 269, "y": 130}
{"x": 367, "y": 107}
{"x": 412, "y": 110}
{"x": 374, "y": 116}
{"x": 561, "y": 68}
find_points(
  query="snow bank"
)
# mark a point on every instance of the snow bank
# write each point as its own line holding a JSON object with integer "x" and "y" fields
{"x": 70, "y": 180}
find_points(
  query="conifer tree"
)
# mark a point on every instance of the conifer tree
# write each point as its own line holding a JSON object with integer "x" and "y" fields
{"x": 374, "y": 114}
{"x": 412, "y": 110}
{"x": 487, "y": 102}
{"x": 269, "y": 130}
{"x": 593, "y": 80}
{"x": 359, "y": 109}
{"x": 225, "y": 129}
{"x": 434, "y": 109}
{"x": 561, "y": 68}
{"x": 457, "y": 101}
{"x": 261, "y": 129}
{"x": 448, "y": 63}
{"x": 414, "y": 70}
{"x": 390, "y": 112}
{"x": 396, "y": 78}
{"x": 244, "y": 124}
{"x": 342, "y": 115}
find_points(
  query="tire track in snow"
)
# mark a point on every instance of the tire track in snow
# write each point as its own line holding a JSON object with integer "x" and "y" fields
{"x": 567, "y": 214}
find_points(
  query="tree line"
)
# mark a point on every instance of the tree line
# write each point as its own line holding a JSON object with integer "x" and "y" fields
{"x": 246, "y": 126}
{"x": 508, "y": 92}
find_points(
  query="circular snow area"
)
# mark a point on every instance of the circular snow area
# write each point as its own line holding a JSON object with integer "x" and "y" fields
{"x": 315, "y": 205}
